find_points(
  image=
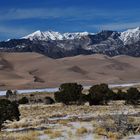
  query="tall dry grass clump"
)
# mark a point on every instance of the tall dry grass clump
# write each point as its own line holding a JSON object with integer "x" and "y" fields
{"x": 30, "y": 135}
{"x": 81, "y": 131}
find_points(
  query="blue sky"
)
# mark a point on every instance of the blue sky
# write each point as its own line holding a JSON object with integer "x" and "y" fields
{"x": 21, "y": 17}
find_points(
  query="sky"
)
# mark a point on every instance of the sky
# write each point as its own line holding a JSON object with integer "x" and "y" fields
{"x": 21, "y": 17}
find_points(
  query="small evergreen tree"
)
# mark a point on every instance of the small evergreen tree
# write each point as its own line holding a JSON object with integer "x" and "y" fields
{"x": 8, "y": 111}
{"x": 49, "y": 100}
{"x": 132, "y": 96}
{"x": 83, "y": 99}
{"x": 120, "y": 95}
{"x": 9, "y": 93}
{"x": 69, "y": 93}
{"x": 100, "y": 94}
{"x": 23, "y": 100}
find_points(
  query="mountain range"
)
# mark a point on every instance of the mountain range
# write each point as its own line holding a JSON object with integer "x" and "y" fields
{"x": 59, "y": 45}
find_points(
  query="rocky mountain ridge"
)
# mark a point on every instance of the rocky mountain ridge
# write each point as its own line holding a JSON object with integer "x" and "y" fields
{"x": 58, "y": 45}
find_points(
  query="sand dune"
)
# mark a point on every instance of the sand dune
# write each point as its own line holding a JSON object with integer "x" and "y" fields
{"x": 32, "y": 70}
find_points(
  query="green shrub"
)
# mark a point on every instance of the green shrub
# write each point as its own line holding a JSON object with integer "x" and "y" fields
{"x": 9, "y": 93}
{"x": 83, "y": 99}
{"x": 23, "y": 100}
{"x": 132, "y": 96}
{"x": 100, "y": 94}
{"x": 49, "y": 100}
{"x": 69, "y": 93}
{"x": 8, "y": 111}
{"x": 120, "y": 95}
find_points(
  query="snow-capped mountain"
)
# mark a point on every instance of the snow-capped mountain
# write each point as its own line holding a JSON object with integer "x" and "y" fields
{"x": 48, "y": 35}
{"x": 59, "y": 45}
{"x": 130, "y": 36}
{"x": 76, "y": 35}
{"x": 51, "y": 35}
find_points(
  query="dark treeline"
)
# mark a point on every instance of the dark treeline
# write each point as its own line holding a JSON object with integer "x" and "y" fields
{"x": 71, "y": 93}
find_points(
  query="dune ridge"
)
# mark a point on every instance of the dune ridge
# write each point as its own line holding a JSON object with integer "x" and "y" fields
{"x": 32, "y": 70}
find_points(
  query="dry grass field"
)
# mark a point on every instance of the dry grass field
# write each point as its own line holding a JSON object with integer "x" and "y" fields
{"x": 61, "y": 122}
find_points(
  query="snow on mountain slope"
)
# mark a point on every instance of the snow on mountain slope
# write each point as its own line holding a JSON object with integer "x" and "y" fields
{"x": 48, "y": 35}
{"x": 51, "y": 35}
{"x": 130, "y": 36}
{"x": 106, "y": 42}
{"x": 75, "y": 35}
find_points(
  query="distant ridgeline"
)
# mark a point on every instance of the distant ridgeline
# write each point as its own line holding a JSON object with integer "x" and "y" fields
{"x": 57, "y": 45}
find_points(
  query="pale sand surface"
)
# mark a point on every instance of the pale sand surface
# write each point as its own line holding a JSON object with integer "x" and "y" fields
{"x": 32, "y": 70}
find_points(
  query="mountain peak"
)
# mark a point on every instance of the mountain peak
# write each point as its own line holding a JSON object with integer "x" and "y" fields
{"x": 138, "y": 28}
{"x": 33, "y": 36}
{"x": 106, "y": 42}
{"x": 130, "y": 36}
{"x": 52, "y": 35}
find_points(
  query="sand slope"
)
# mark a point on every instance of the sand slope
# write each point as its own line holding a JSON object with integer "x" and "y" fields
{"x": 32, "y": 70}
